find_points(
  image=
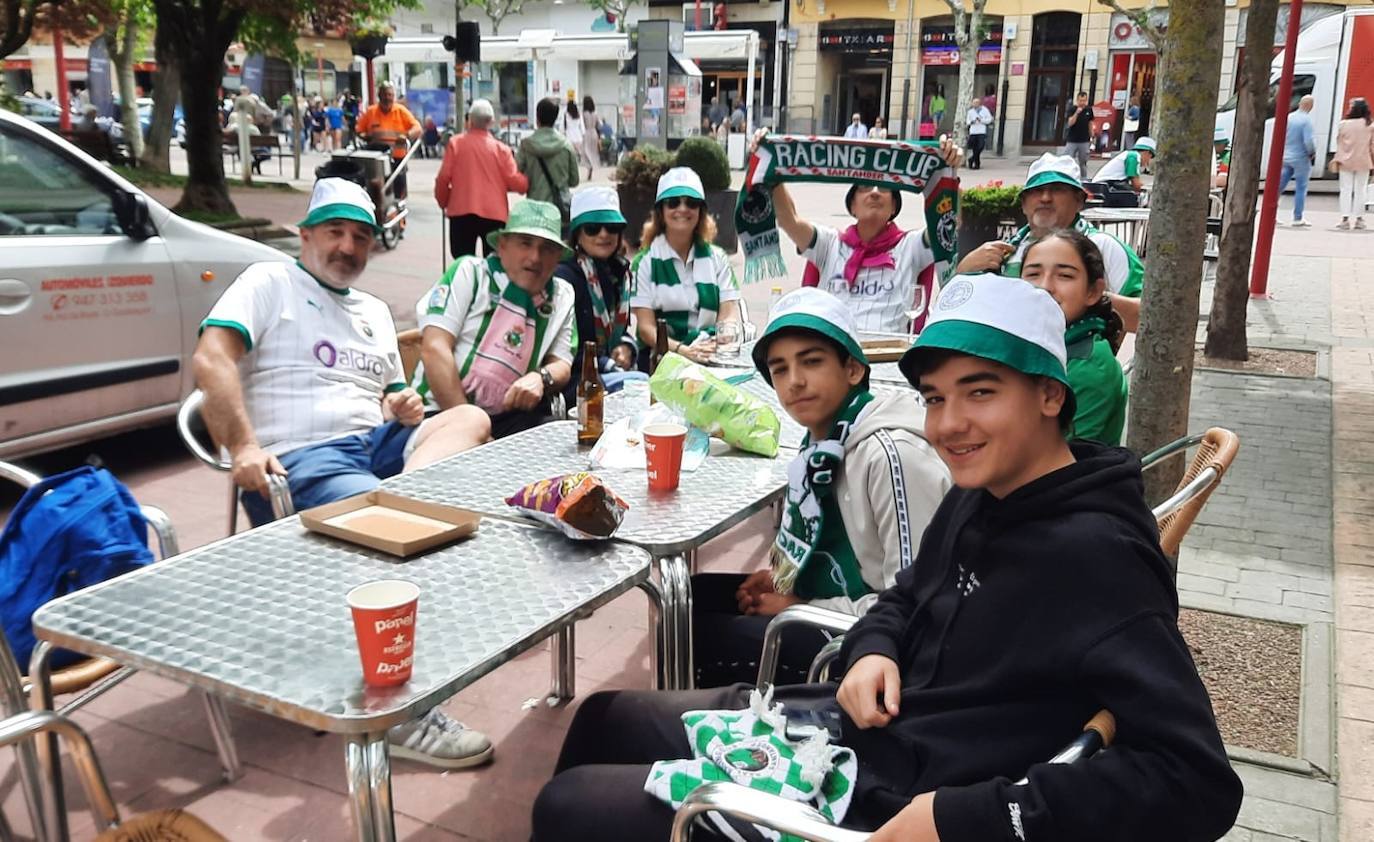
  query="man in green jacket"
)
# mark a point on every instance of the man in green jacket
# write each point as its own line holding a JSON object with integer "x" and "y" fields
{"x": 548, "y": 160}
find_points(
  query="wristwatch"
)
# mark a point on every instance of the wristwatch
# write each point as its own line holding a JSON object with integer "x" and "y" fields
{"x": 547, "y": 377}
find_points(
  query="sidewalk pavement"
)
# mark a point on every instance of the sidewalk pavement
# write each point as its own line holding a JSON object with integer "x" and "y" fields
{"x": 1287, "y": 537}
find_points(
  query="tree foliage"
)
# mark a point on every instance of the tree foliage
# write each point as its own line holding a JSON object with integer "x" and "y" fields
{"x": 497, "y": 10}
{"x": 616, "y": 8}
{"x": 16, "y": 24}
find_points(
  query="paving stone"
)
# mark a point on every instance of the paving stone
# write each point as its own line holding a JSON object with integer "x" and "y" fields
{"x": 1356, "y": 765}
{"x": 1298, "y": 599}
{"x": 1201, "y": 584}
{"x": 1357, "y": 820}
{"x": 1355, "y": 702}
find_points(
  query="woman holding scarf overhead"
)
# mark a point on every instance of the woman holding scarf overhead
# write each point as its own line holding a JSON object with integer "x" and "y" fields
{"x": 859, "y": 496}
{"x": 601, "y": 279}
{"x": 680, "y": 276}
{"x": 873, "y": 266}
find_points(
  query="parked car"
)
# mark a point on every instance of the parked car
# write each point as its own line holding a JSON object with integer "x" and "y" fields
{"x": 102, "y": 291}
{"x": 49, "y": 114}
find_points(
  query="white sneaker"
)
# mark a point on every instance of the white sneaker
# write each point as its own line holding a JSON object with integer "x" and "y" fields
{"x": 1300, "y": 223}
{"x": 439, "y": 740}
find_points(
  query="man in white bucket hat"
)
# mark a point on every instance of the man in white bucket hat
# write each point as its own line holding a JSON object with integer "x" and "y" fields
{"x": 1127, "y": 167}
{"x": 1053, "y": 197}
{"x": 302, "y": 378}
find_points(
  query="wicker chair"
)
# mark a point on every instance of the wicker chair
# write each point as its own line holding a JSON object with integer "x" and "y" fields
{"x": 1216, "y": 450}
{"x": 191, "y": 428}
{"x": 156, "y": 826}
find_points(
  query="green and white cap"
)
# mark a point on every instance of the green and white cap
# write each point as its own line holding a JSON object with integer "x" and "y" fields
{"x": 339, "y": 198}
{"x": 815, "y": 310}
{"x": 1147, "y": 144}
{"x": 1052, "y": 169}
{"x": 532, "y": 217}
{"x": 1006, "y": 320}
{"x": 1221, "y": 135}
{"x": 595, "y": 204}
{"x": 680, "y": 181}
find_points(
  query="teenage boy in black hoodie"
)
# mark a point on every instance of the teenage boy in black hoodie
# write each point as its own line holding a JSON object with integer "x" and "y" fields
{"x": 1039, "y": 596}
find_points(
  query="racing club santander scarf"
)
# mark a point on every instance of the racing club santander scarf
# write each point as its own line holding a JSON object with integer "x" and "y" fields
{"x": 893, "y": 165}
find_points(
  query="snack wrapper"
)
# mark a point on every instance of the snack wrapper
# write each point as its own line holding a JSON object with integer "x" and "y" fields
{"x": 579, "y": 505}
{"x": 715, "y": 406}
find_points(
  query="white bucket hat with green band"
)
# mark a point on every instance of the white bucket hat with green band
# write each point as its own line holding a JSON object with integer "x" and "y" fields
{"x": 339, "y": 198}
{"x": 816, "y": 310}
{"x": 1006, "y": 320}
{"x": 1052, "y": 169}
{"x": 532, "y": 217}
{"x": 680, "y": 181}
{"x": 595, "y": 204}
{"x": 1145, "y": 144}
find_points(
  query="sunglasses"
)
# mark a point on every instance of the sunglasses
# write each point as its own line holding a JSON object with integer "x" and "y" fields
{"x": 594, "y": 229}
{"x": 672, "y": 202}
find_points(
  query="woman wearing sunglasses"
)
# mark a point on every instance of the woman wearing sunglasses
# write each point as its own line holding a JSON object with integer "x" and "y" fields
{"x": 600, "y": 278}
{"x": 679, "y": 275}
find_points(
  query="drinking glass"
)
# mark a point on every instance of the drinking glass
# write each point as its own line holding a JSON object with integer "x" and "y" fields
{"x": 729, "y": 339}
{"x": 918, "y": 306}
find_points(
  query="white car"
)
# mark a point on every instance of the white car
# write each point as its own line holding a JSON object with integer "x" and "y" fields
{"x": 102, "y": 291}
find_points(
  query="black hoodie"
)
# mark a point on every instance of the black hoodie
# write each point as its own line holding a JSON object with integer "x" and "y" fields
{"x": 1019, "y": 620}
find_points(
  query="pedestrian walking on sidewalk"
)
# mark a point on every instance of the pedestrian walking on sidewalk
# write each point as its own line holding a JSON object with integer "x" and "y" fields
{"x": 591, "y": 137}
{"x": 1353, "y": 161}
{"x": 1078, "y": 137}
{"x": 978, "y": 119}
{"x": 549, "y": 161}
{"x": 1299, "y": 152}
{"x": 477, "y": 172}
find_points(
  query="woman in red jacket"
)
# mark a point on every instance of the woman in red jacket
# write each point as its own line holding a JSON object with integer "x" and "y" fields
{"x": 477, "y": 172}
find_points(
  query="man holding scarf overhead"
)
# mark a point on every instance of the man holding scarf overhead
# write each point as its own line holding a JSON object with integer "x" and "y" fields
{"x": 873, "y": 266}
{"x": 859, "y": 496}
{"x": 497, "y": 332}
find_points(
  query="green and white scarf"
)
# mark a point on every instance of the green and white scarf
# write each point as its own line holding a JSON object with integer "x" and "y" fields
{"x": 1019, "y": 242}
{"x": 811, "y": 556}
{"x": 673, "y": 303}
{"x": 609, "y": 326}
{"x": 751, "y": 748}
{"x": 892, "y": 165}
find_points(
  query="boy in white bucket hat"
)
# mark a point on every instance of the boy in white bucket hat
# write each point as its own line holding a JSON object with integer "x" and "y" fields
{"x": 681, "y": 276}
{"x": 302, "y": 378}
{"x": 860, "y": 494}
{"x": 1038, "y": 597}
{"x": 1053, "y": 197}
{"x": 1127, "y": 166}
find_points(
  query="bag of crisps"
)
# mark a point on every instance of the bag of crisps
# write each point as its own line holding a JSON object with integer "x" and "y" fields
{"x": 715, "y": 406}
{"x": 579, "y": 505}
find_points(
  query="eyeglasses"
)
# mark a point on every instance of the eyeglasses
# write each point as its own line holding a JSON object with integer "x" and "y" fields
{"x": 672, "y": 202}
{"x": 594, "y": 229}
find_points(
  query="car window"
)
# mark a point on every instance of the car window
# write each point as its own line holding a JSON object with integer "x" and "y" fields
{"x": 1302, "y": 86}
{"x": 44, "y": 193}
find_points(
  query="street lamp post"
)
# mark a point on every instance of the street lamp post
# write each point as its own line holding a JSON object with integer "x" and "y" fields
{"x": 1269, "y": 209}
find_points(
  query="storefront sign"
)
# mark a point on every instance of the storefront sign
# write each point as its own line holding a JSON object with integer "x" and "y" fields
{"x": 857, "y": 40}
{"x": 677, "y": 100}
{"x": 1126, "y": 35}
{"x": 1018, "y": 68}
{"x": 949, "y": 56}
{"x": 934, "y": 36}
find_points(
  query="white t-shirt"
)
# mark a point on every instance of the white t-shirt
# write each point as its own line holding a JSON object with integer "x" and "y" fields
{"x": 674, "y": 288}
{"x": 978, "y": 120}
{"x": 881, "y": 296}
{"x": 1124, "y": 165}
{"x": 572, "y": 129}
{"x": 318, "y": 360}
{"x": 459, "y": 302}
{"x": 856, "y": 130}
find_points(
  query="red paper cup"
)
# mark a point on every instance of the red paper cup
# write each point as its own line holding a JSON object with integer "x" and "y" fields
{"x": 663, "y": 454}
{"x": 384, "y": 621}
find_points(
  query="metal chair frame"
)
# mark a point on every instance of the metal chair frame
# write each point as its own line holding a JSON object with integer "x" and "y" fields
{"x": 279, "y": 494}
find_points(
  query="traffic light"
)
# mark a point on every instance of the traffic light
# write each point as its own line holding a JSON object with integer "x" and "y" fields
{"x": 466, "y": 43}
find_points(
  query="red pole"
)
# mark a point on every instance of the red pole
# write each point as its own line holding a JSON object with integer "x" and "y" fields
{"x": 1269, "y": 209}
{"x": 64, "y": 100}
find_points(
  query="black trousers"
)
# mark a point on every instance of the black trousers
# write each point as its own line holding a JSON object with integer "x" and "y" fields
{"x": 465, "y": 232}
{"x": 727, "y": 644}
{"x": 976, "y": 142}
{"x": 597, "y": 792}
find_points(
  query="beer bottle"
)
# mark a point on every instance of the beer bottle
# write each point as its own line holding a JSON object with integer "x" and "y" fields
{"x": 660, "y": 351}
{"x": 591, "y": 398}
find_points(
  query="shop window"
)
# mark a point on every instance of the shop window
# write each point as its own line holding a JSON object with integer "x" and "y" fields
{"x": 1050, "y": 81}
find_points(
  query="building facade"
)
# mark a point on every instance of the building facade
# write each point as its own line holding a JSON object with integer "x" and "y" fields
{"x": 896, "y": 59}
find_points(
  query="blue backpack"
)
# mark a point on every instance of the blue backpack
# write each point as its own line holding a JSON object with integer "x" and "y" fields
{"x": 68, "y": 532}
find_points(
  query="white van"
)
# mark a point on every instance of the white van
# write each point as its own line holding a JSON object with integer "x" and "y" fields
{"x": 1332, "y": 65}
{"x": 102, "y": 291}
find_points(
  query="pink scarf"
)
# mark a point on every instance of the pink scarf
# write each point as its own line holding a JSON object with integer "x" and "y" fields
{"x": 877, "y": 252}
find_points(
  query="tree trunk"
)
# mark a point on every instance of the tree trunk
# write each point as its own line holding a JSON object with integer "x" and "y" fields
{"x": 198, "y": 34}
{"x": 966, "y": 28}
{"x": 166, "y": 94}
{"x": 1185, "y": 102}
{"x": 1226, "y": 323}
{"x": 121, "y": 48}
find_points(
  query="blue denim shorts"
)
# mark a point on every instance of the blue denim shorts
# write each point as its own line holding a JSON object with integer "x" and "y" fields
{"x": 335, "y": 469}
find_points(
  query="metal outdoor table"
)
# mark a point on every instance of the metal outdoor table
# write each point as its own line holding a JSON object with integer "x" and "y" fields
{"x": 725, "y": 490}
{"x": 1129, "y": 225}
{"x": 881, "y": 372}
{"x": 260, "y": 618}
{"x": 792, "y": 432}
